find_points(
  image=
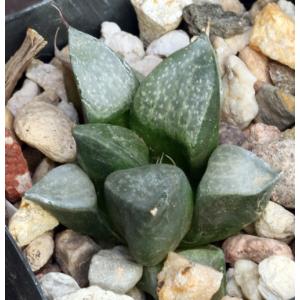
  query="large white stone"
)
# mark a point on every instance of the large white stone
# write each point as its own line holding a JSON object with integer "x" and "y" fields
{"x": 239, "y": 105}
{"x": 277, "y": 278}
{"x": 276, "y": 222}
{"x": 246, "y": 276}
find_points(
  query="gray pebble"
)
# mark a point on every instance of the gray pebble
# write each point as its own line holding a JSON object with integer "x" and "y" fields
{"x": 114, "y": 270}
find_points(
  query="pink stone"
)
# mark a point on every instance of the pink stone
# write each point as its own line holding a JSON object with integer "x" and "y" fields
{"x": 244, "y": 246}
{"x": 261, "y": 133}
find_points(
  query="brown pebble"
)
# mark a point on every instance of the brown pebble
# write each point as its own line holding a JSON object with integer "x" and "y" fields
{"x": 73, "y": 253}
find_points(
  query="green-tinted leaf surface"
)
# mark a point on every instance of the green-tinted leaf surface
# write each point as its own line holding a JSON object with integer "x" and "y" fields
{"x": 151, "y": 207}
{"x": 106, "y": 83}
{"x": 103, "y": 149}
{"x": 176, "y": 108}
{"x": 70, "y": 196}
{"x": 232, "y": 193}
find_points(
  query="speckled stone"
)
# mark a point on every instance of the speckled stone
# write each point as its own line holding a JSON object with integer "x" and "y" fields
{"x": 282, "y": 77}
{"x": 260, "y": 133}
{"x": 281, "y": 155}
{"x": 221, "y": 23}
{"x": 275, "y": 107}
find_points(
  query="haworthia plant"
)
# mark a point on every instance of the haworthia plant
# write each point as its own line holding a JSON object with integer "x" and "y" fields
{"x": 103, "y": 149}
{"x": 233, "y": 193}
{"x": 68, "y": 193}
{"x": 176, "y": 108}
{"x": 209, "y": 256}
{"x": 105, "y": 82}
{"x": 151, "y": 207}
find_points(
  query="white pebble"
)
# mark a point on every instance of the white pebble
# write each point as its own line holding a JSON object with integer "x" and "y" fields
{"x": 56, "y": 284}
{"x": 277, "y": 278}
{"x": 146, "y": 65}
{"x": 239, "y": 105}
{"x": 125, "y": 44}
{"x": 169, "y": 43}
{"x": 108, "y": 29}
{"x": 276, "y": 222}
{"x": 27, "y": 92}
{"x": 246, "y": 275}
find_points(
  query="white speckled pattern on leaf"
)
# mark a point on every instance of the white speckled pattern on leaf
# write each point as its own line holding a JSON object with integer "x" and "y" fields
{"x": 176, "y": 108}
{"x": 106, "y": 83}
